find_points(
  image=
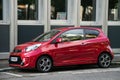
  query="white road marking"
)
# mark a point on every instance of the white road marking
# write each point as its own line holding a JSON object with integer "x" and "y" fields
{"x": 91, "y": 71}
{"x": 85, "y": 71}
{"x": 13, "y": 74}
{"x": 78, "y": 71}
{"x": 38, "y": 74}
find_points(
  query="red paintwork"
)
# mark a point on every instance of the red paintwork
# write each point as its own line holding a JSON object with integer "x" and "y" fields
{"x": 66, "y": 53}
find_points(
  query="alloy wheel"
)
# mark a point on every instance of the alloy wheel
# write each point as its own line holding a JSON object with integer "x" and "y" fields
{"x": 104, "y": 60}
{"x": 44, "y": 64}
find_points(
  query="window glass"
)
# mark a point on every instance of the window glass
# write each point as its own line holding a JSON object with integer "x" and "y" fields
{"x": 91, "y": 33}
{"x": 1, "y": 9}
{"x": 114, "y": 10}
{"x": 46, "y": 36}
{"x": 72, "y": 35}
{"x": 88, "y": 10}
{"x": 27, "y": 9}
{"x": 58, "y": 9}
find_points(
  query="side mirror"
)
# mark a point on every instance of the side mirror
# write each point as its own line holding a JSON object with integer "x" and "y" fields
{"x": 58, "y": 40}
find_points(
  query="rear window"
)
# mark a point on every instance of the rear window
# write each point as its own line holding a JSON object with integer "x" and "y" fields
{"x": 89, "y": 33}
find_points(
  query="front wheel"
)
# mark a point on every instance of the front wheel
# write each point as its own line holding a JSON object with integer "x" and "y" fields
{"x": 44, "y": 64}
{"x": 104, "y": 60}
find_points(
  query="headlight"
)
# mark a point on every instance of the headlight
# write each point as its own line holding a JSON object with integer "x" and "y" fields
{"x": 33, "y": 47}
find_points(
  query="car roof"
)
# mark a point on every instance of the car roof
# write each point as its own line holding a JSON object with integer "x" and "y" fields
{"x": 79, "y": 27}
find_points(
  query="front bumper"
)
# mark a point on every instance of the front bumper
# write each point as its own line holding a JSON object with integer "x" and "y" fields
{"x": 22, "y": 62}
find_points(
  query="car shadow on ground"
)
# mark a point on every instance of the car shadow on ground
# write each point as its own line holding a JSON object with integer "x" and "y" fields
{"x": 64, "y": 68}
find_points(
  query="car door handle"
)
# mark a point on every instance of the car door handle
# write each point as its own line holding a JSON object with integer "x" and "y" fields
{"x": 83, "y": 44}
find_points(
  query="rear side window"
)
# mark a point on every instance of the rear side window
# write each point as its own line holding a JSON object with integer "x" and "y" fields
{"x": 91, "y": 33}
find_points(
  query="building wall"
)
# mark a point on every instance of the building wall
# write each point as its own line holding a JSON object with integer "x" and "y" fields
{"x": 4, "y": 38}
{"x": 14, "y": 30}
{"x": 113, "y": 34}
{"x": 28, "y": 32}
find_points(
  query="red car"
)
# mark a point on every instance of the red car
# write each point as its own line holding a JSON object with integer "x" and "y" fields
{"x": 63, "y": 47}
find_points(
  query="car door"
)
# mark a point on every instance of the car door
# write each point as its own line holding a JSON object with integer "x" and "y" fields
{"x": 91, "y": 44}
{"x": 68, "y": 51}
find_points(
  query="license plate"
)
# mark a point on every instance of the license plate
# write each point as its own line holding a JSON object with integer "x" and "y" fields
{"x": 14, "y": 59}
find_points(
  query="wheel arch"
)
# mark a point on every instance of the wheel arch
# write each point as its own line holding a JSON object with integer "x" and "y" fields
{"x": 106, "y": 53}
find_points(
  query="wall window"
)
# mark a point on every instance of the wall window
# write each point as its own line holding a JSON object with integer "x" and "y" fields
{"x": 1, "y": 9}
{"x": 88, "y": 10}
{"x": 58, "y": 9}
{"x": 114, "y": 10}
{"x": 28, "y": 9}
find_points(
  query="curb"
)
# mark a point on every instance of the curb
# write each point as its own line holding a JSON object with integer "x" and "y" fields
{"x": 6, "y": 69}
{"x": 115, "y": 63}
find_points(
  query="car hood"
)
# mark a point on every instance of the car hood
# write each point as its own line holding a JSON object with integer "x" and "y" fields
{"x": 25, "y": 45}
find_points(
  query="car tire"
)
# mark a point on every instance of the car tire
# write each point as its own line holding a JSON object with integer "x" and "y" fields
{"x": 104, "y": 60}
{"x": 44, "y": 64}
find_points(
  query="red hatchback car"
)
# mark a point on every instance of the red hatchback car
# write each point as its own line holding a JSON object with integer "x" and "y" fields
{"x": 63, "y": 47}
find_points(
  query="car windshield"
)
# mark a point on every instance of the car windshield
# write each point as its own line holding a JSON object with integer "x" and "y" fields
{"x": 46, "y": 36}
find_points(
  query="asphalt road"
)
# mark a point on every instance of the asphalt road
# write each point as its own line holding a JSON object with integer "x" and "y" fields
{"x": 81, "y": 72}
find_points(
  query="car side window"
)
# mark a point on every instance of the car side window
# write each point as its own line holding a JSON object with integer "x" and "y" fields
{"x": 72, "y": 35}
{"x": 91, "y": 33}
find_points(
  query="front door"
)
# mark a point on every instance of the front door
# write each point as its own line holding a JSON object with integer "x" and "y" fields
{"x": 68, "y": 52}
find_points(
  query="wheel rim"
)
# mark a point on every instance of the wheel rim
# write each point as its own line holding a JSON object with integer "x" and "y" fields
{"x": 105, "y": 60}
{"x": 45, "y": 64}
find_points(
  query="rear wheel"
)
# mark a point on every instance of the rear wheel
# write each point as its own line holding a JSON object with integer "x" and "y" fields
{"x": 104, "y": 60}
{"x": 44, "y": 64}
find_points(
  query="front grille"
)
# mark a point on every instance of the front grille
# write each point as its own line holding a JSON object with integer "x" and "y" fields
{"x": 17, "y": 62}
{"x": 17, "y": 50}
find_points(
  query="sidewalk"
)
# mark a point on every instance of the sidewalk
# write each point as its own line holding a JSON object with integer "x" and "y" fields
{"x": 116, "y": 57}
{"x": 4, "y": 63}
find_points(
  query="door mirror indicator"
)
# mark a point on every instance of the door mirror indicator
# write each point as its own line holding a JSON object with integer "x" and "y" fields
{"x": 58, "y": 40}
